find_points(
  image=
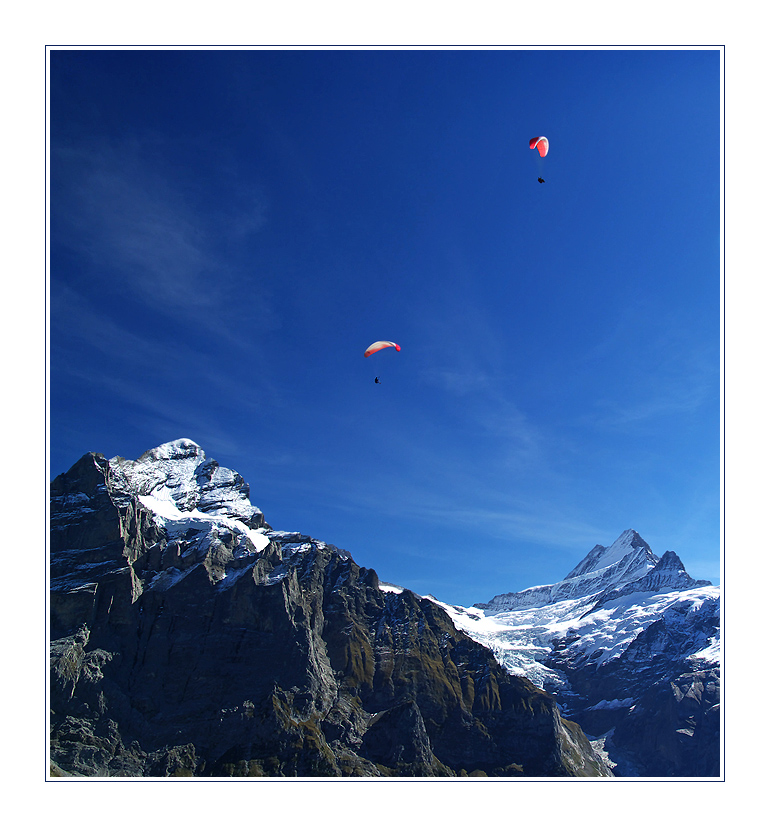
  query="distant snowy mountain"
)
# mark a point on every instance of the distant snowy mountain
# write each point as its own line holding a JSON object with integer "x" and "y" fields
{"x": 603, "y": 568}
{"x": 622, "y": 626}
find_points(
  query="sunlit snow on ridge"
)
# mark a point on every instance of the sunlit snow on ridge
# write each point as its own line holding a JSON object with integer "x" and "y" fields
{"x": 522, "y": 639}
{"x": 177, "y": 522}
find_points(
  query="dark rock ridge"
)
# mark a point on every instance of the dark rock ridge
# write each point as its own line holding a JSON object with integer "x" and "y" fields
{"x": 190, "y": 638}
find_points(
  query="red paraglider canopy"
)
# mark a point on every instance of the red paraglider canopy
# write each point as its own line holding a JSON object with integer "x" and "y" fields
{"x": 374, "y": 347}
{"x": 541, "y": 143}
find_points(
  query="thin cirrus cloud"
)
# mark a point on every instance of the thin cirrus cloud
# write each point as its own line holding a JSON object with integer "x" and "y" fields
{"x": 146, "y": 365}
{"x": 491, "y": 411}
{"x": 654, "y": 366}
{"x": 684, "y": 384}
{"x": 470, "y": 504}
{"x": 141, "y": 233}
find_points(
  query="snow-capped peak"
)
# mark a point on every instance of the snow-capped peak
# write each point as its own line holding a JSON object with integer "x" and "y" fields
{"x": 179, "y": 472}
{"x": 168, "y": 472}
{"x": 600, "y": 557}
{"x": 604, "y": 567}
{"x": 178, "y": 483}
{"x": 176, "y": 449}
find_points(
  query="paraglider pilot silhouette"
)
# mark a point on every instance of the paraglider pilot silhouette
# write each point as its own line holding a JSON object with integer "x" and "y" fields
{"x": 374, "y": 347}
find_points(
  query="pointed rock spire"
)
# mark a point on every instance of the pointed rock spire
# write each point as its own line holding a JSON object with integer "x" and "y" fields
{"x": 668, "y": 575}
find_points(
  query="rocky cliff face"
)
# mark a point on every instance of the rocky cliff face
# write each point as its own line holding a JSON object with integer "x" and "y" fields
{"x": 189, "y": 638}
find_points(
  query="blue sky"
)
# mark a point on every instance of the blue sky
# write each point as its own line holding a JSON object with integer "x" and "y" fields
{"x": 229, "y": 230}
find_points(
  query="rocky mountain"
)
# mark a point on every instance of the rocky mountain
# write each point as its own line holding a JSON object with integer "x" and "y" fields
{"x": 629, "y": 645}
{"x": 190, "y": 638}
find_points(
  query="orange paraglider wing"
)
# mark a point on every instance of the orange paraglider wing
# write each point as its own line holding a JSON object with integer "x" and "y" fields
{"x": 541, "y": 143}
{"x": 375, "y": 346}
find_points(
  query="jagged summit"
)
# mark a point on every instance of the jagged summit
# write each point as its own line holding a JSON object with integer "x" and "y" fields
{"x": 178, "y": 474}
{"x": 190, "y": 513}
{"x": 176, "y": 449}
{"x": 603, "y": 568}
{"x": 668, "y": 575}
{"x": 629, "y": 543}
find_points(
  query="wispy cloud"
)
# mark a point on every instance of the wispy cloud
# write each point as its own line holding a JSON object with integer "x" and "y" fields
{"x": 143, "y": 234}
{"x": 153, "y": 373}
{"x": 144, "y": 409}
{"x": 459, "y": 382}
{"x": 491, "y": 413}
{"x": 511, "y": 515}
{"x": 542, "y": 522}
{"x": 682, "y": 384}
{"x": 646, "y": 365}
